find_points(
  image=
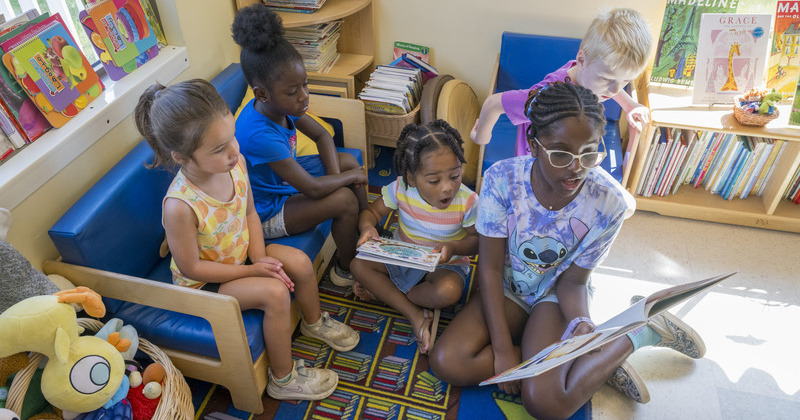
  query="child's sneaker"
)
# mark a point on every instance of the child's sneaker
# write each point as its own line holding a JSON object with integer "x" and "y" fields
{"x": 304, "y": 383}
{"x": 334, "y": 333}
{"x": 629, "y": 383}
{"x": 340, "y": 277}
{"x": 676, "y": 334}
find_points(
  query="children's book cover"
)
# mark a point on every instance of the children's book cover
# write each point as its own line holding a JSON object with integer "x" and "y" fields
{"x": 133, "y": 36}
{"x": 420, "y": 51}
{"x": 47, "y": 62}
{"x": 27, "y": 117}
{"x": 676, "y": 47}
{"x": 794, "y": 115}
{"x": 394, "y": 252}
{"x": 784, "y": 58}
{"x": 731, "y": 55}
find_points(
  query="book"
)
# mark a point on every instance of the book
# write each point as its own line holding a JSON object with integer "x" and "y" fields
{"x": 783, "y": 72}
{"x": 295, "y": 6}
{"x": 47, "y": 62}
{"x": 731, "y": 55}
{"x": 28, "y": 120}
{"x": 121, "y": 35}
{"x": 390, "y": 251}
{"x": 628, "y": 320}
{"x": 676, "y": 47}
{"x": 419, "y": 51}
{"x": 411, "y": 61}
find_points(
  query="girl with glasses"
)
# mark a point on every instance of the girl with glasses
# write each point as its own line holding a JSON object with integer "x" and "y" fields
{"x": 545, "y": 221}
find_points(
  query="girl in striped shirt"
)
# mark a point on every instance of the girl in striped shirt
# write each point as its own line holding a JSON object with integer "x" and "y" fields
{"x": 434, "y": 209}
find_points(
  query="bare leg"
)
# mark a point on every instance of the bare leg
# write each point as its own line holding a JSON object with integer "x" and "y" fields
{"x": 272, "y": 297}
{"x": 375, "y": 278}
{"x": 560, "y": 392}
{"x": 463, "y": 354}
{"x": 302, "y": 213}
{"x": 347, "y": 162}
{"x": 438, "y": 289}
{"x": 300, "y": 270}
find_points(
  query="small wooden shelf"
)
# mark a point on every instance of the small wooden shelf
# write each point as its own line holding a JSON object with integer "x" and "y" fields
{"x": 672, "y": 108}
{"x": 347, "y": 65}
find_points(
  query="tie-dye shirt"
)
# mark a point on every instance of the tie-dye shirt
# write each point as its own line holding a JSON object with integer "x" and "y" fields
{"x": 222, "y": 233}
{"x": 543, "y": 243}
{"x": 422, "y": 224}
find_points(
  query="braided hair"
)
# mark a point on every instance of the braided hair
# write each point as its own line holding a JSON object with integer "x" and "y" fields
{"x": 416, "y": 140}
{"x": 265, "y": 51}
{"x": 552, "y": 103}
{"x": 174, "y": 118}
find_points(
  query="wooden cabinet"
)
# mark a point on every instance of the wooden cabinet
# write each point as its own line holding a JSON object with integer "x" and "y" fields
{"x": 671, "y": 108}
{"x": 356, "y": 44}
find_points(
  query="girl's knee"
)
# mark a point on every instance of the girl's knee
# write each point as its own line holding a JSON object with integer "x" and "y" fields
{"x": 347, "y": 161}
{"x": 273, "y": 294}
{"x": 544, "y": 404}
{"x": 344, "y": 202}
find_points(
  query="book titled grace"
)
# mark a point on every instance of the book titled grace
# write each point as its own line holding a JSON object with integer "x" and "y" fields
{"x": 55, "y": 74}
{"x": 731, "y": 55}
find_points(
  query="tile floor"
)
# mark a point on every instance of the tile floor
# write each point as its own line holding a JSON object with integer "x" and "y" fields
{"x": 749, "y": 321}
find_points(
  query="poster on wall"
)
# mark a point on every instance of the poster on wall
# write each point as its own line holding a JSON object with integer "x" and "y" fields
{"x": 731, "y": 55}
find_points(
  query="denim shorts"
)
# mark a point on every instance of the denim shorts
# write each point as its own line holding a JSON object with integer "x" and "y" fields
{"x": 405, "y": 277}
{"x": 549, "y": 297}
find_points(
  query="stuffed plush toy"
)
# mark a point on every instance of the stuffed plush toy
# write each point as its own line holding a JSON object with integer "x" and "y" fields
{"x": 6, "y": 414}
{"x": 82, "y": 372}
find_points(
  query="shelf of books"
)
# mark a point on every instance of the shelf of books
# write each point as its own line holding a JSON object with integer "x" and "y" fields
{"x": 354, "y": 46}
{"x": 698, "y": 162}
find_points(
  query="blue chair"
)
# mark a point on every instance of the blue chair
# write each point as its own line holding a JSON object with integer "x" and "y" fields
{"x": 524, "y": 61}
{"x": 110, "y": 240}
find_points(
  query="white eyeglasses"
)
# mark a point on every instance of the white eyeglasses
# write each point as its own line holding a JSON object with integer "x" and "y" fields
{"x": 562, "y": 159}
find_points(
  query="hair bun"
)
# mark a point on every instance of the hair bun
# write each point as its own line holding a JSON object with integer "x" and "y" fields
{"x": 257, "y": 28}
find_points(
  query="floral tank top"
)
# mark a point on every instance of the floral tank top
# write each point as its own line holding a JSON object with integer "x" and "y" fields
{"x": 222, "y": 233}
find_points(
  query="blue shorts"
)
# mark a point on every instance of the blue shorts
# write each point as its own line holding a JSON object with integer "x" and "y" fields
{"x": 405, "y": 277}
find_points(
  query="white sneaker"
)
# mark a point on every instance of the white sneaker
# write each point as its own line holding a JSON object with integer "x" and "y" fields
{"x": 334, "y": 333}
{"x": 304, "y": 383}
{"x": 340, "y": 277}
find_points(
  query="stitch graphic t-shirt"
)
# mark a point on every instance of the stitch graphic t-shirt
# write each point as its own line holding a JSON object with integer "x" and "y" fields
{"x": 542, "y": 243}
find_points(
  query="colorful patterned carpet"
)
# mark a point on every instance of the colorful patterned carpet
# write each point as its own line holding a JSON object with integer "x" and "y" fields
{"x": 383, "y": 377}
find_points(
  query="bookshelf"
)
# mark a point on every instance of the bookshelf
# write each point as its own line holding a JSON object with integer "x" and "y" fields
{"x": 356, "y": 43}
{"x": 671, "y": 108}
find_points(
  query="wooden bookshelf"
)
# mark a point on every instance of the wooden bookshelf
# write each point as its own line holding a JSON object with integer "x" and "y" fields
{"x": 356, "y": 44}
{"x": 671, "y": 108}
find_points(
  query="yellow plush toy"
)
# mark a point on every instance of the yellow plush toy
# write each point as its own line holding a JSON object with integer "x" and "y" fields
{"x": 82, "y": 372}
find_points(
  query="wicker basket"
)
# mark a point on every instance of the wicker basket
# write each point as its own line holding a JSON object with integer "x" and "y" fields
{"x": 176, "y": 398}
{"x": 754, "y": 120}
{"x": 388, "y": 127}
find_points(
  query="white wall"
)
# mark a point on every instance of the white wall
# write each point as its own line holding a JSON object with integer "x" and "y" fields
{"x": 464, "y": 35}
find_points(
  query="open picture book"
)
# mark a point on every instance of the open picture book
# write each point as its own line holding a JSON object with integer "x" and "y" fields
{"x": 626, "y": 321}
{"x": 390, "y": 251}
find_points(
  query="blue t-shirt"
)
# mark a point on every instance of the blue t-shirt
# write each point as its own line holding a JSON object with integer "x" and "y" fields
{"x": 543, "y": 243}
{"x": 262, "y": 141}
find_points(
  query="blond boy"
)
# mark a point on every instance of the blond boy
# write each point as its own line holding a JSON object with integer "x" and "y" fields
{"x": 613, "y": 53}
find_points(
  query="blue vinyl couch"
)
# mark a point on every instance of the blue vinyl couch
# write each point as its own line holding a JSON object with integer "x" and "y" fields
{"x": 525, "y": 60}
{"x": 109, "y": 240}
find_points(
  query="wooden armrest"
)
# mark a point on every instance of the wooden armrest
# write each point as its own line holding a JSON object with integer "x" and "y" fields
{"x": 221, "y": 311}
{"x": 351, "y": 113}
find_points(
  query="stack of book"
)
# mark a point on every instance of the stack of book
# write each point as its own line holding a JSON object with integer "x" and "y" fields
{"x": 316, "y": 44}
{"x": 313, "y": 351}
{"x": 294, "y": 6}
{"x": 724, "y": 163}
{"x": 392, "y": 90}
{"x": 793, "y": 191}
{"x": 378, "y": 409}
{"x": 411, "y": 61}
{"x": 366, "y": 321}
{"x": 339, "y": 405}
{"x": 401, "y": 332}
{"x": 428, "y": 387}
{"x": 351, "y": 366}
{"x": 392, "y": 373}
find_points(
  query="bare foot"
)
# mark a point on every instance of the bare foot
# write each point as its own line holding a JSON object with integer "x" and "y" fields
{"x": 423, "y": 332}
{"x": 362, "y": 293}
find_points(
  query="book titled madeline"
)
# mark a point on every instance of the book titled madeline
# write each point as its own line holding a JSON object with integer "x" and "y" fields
{"x": 400, "y": 253}
{"x": 731, "y": 55}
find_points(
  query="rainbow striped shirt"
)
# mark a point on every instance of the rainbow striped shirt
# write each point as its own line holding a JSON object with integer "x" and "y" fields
{"x": 422, "y": 224}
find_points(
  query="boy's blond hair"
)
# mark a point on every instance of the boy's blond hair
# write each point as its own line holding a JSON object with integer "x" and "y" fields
{"x": 619, "y": 37}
